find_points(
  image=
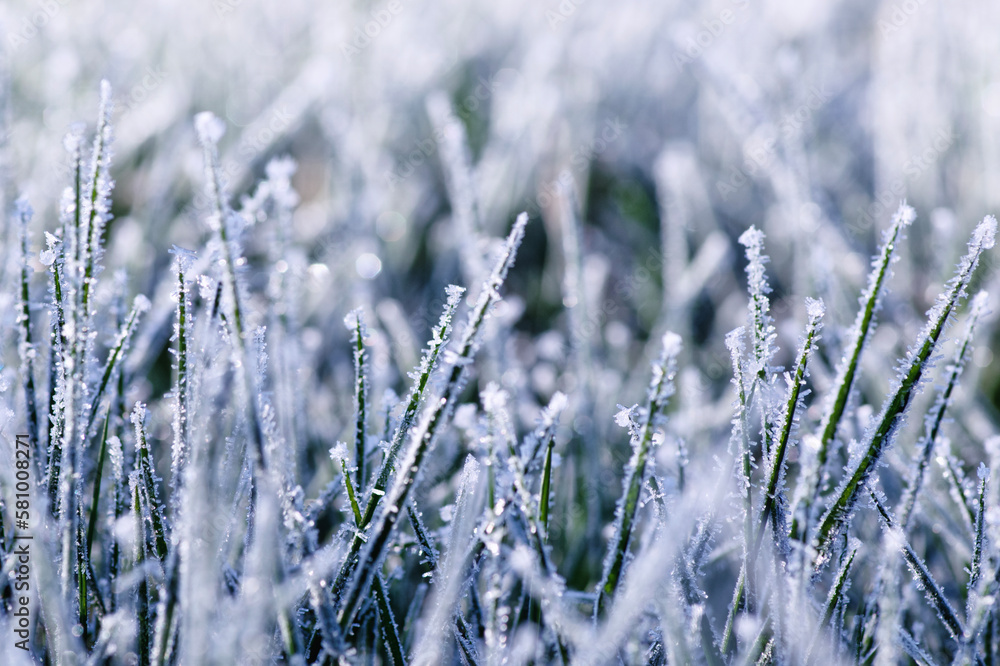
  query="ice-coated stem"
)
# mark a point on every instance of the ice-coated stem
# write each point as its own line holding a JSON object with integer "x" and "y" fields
{"x": 660, "y": 389}
{"x": 934, "y": 420}
{"x": 210, "y": 130}
{"x": 422, "y": 437}
{"x": 357, "y": 327}
{"x": 118, "y": 350}
{"x": 880, "y": 436}
{"x": 863, "y": 327}
{"x": 428, "y": 364}
{"x": 932, "y": 590}
{"x": 26, "y": 348}
{"x": 98, "y": 213}
{"x": 144, "y": 467}
{"x": 816, "y": 311}
{"x": 182, "y": 398}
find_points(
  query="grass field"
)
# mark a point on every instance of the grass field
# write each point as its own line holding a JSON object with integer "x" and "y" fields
{"x": 479, "y": 333}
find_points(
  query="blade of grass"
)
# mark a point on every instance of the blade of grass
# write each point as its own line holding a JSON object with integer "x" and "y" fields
{"x": 339, "y": 454}
{"x": 933, "y": 421}
{"x": 26, "y": 347}
{"x": 880, "y": 436}
{"x": 210, "y": 130}
{"x": 863, "y": 327}
{"x": 422, "y": 376}
{"x": 739, "y": 601}
{"x": 144, "y": 467}
{"x": 357, "y": 327}
{"x": 976, "y": 566}
{"x": 59, "y": 345}
{"x": 660, "y": 389}
{"x": 98, "y": 211}
{"x": 118, "y": 349}
{"x": 956, "y": 481}
{"x": 142, "y": 610}
{"x": 932, "y": 591}
{"x": 913, "y": 649}
{"x": 92, "y": 526}
{"x": 833, "y": 600}
{"x": 816, "y": 311}
{"x": 740, "y": 436}
{"x": 91, "y": 212}
{"x": 423, "y": 436}
{"x": 183, "y": 260}
{"x": 545, "y": 493}
{"x": 387, "y": 622}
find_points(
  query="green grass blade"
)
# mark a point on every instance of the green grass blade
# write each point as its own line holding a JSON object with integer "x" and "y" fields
{"x": 97, "y": 209}
{"x": 934, "y": 420}
{"x": 956, "y": 480}
{"x": 59, "y": 346}
{"x": 816, "y": 311}
{"x": 144, "y": 466}
{"x": 660, "y": 389}
{"x": 880, "y": 436}
{"x": 356, "y": 326}
{"x": 545, "y": 493}
{"x": 210, "y": 130}
{"x": 976, "y": 566}
{"x": 834, "y": 599}
{"x": 387, "y": 622}
{"x": 422, "y": 376}
{"x": 739, "y": 600}
{"x": 26, "y": 347}
{"x": 102, "y": 456}
{"x": 182, "y": 324}
{"x": 164, "y": 641}
{"x": 423, "y": 436}
{"x": 863, "y": 327}
{"x": 118, "y": 350}
{"x": 142, "y": 611}
{"x": 932, "y": 591}
{"x": 913, "y": 649}
{"x": 339, "y": 454}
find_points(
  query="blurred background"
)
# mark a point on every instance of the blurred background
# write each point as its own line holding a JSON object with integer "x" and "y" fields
{"x": 420, "y": 129}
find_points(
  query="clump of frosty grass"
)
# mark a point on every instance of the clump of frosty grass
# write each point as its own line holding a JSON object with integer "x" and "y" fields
{"x": 782, "y": 541}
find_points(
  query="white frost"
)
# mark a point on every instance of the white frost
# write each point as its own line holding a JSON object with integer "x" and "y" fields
{"x": 905, "y": 215}
{"x": 985, "y": 234}
{"x": 210, "y": 129}
{"x": 672, "y": 344}
{"x": 815, "y": 309}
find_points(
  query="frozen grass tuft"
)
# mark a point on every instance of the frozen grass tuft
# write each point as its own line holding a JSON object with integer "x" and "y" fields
{"x": 222, "y": 473}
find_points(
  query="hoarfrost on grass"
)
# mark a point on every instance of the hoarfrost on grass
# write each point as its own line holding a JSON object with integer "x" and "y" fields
{"x": 503, "y": 513}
